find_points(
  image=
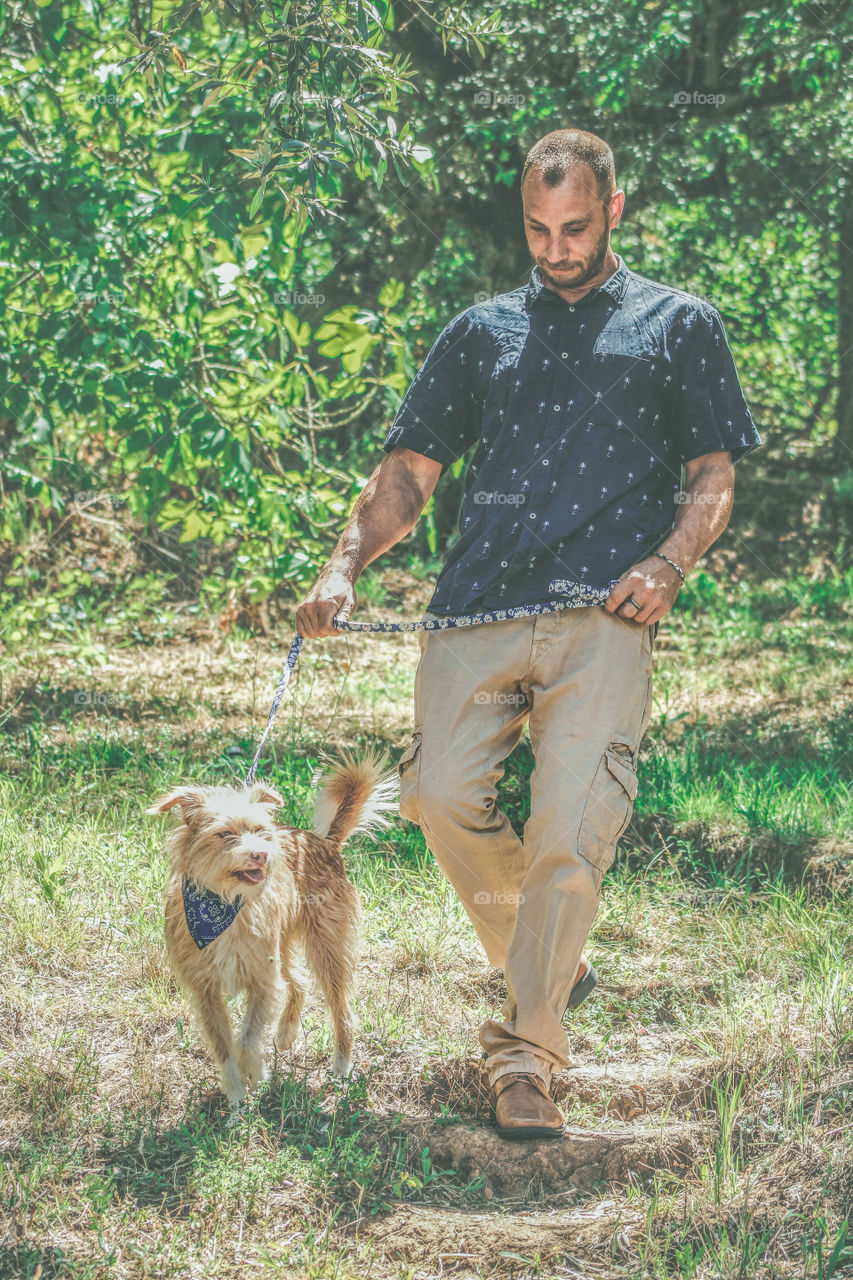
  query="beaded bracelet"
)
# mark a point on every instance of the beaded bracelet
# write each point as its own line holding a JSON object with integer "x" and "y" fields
{"x": 678, "y": 570}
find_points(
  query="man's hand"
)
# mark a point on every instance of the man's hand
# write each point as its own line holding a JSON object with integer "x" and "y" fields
{"x": 332, "y": 596}
{"x": 652, "y": 585}
{"x": 702, "y": 515}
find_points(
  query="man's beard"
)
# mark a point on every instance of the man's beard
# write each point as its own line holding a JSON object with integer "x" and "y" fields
{"x": 589, "y": 268}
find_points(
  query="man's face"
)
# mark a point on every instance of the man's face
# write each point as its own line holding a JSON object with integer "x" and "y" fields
{"x": 568, "y": 227}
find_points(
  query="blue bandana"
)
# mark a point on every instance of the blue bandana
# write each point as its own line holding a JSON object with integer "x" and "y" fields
{"x": 207, "y": 913}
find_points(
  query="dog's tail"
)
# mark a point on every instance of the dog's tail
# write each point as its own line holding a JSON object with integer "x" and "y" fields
{"x": 354, "y": 795}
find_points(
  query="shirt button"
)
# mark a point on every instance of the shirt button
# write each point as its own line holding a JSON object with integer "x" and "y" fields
{"x": 544, "y": 462}
{"x": 571, "y": 308}
{"x": 557, "y": 407}
{"x": 503, "y": 564}
{"x": 565, "y": 355}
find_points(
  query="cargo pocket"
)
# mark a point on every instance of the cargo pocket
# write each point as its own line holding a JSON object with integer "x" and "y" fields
{"x": 609, "y": 804}
{"x": 408, "y": 768}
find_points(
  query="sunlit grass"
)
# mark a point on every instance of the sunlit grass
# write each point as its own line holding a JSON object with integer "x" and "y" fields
{"x": 117, "y": 1154}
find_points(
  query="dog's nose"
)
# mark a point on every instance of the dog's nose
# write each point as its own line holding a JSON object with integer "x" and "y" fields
{"x": 259, "y": 856}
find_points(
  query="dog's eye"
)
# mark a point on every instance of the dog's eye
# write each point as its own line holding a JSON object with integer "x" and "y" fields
{"x": 224, "y": 835}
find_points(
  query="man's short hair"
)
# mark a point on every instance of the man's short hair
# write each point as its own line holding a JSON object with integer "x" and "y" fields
{"x": 558, "y": 153}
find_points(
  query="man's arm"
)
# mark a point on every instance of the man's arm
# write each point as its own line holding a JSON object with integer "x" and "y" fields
{"x": 386, "y": 510}
{"x": 701, "y": 519}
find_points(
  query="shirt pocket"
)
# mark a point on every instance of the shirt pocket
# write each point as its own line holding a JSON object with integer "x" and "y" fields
{"x": 624, "y": 337}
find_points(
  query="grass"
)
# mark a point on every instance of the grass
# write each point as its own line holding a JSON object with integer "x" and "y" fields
{"x": 723, "y": 943}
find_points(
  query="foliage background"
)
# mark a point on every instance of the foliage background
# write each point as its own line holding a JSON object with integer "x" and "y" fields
{"x": 230, "y": 232}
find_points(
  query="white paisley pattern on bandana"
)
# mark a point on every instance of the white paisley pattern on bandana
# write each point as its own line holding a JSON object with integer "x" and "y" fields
{"x": 208, "y": 914}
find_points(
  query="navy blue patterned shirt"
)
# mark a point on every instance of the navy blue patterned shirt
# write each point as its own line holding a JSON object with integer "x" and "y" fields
{"x": 580, "y": 416}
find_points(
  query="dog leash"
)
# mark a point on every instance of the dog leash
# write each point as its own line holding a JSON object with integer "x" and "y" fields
{"x": 577, "y": 594}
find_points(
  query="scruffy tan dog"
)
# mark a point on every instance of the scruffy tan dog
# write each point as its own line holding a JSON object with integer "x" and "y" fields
{"x": 246, "y": 896}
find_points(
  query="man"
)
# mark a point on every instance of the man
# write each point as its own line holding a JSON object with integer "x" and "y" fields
{"x": 584, "y": 391}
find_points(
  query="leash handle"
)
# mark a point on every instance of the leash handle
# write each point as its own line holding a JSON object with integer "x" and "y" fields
{"x": 444, "y": 623}
{"x": 577, "y": 594}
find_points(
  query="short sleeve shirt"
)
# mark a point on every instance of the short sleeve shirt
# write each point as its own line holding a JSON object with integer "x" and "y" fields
{"x": 579, "y": 417}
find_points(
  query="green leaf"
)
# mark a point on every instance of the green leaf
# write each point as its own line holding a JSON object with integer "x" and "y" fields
{"x": 196, "y": 525}
{"x": 259, "y": 195}
{"x": 391, "y": 293}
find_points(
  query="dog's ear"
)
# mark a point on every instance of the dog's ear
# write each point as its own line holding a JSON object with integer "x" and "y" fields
{"x": 261, "y": 793}
{"x": 190, "y": 799}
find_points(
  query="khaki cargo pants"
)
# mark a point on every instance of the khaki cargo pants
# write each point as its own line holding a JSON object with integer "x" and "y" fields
{"x": 583, "y": 676}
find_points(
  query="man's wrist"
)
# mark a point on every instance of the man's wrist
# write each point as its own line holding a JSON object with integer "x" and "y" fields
{"x": 681, "y": 570}
{"x": 341, "y": 569}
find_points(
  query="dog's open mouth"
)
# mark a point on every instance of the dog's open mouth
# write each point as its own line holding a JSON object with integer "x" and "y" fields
{"x": 251, "y": 875}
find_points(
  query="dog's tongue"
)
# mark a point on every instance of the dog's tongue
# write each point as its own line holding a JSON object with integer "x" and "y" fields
{"x": 254, "y": 876}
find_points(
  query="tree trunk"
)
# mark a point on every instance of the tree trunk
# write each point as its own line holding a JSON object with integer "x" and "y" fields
{"x": 844, "y": 438}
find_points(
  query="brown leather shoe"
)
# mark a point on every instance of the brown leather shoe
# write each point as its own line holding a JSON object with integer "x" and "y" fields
{"x": 523, "y": 1107}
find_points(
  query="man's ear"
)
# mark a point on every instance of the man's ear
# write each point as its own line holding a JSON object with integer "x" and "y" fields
{"x": 191, "y": 800}
{"x": 261, "y": 793}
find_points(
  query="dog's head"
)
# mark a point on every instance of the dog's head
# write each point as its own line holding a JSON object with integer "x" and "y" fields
{"x": 226, "y": 840}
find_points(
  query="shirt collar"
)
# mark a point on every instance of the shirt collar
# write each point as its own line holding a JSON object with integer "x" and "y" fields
{"x": 615, "y": 285}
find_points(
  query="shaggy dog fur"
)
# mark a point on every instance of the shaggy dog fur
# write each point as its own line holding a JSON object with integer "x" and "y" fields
{"x": 296, "y": 899}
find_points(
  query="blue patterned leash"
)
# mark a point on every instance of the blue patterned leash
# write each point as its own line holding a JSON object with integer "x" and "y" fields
{"x": 577, "y": 593}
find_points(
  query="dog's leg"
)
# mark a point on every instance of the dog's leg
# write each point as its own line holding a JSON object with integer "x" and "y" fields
{"x": 216, "y": 1025}
{"x": 261, "y": 1008}
{"x": 288, "y": 1025}
{"x": 331, "y": 946}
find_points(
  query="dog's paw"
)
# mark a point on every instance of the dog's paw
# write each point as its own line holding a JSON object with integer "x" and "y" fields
{"x": 256, "y": 1074}
{"x": 341, "y": 1064}
{"x": 232, "y": 1083}
{"x": 253, "y": 1069}
{"x": 286, "y": 1035}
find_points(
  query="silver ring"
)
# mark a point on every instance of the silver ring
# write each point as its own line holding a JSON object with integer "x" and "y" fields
{"x": 631, "y": 600}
